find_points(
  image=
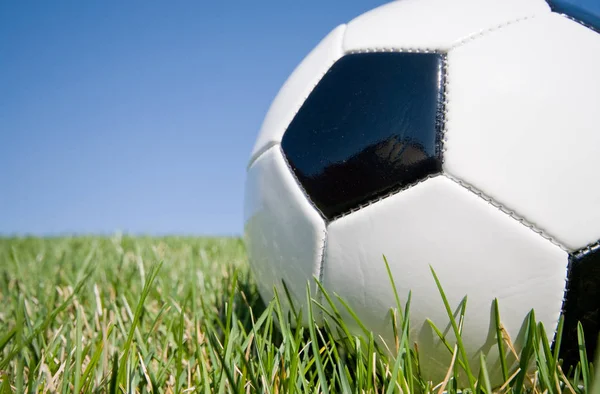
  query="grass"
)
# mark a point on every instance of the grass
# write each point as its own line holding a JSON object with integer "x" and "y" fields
{"x": 178, "y": 315}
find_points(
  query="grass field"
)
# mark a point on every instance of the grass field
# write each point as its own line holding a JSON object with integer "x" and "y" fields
{"x": 181, "y": 315}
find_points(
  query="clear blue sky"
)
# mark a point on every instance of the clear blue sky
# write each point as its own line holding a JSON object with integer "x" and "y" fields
{"x": 139, "y": 116}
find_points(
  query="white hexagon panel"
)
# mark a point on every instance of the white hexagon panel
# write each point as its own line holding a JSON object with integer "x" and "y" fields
{"x": 522, "y": 123}
{"x": 477, "y": 252}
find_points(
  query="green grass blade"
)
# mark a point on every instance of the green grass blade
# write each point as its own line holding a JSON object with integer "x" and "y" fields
{"x": 225, "y": 366}
{"x": 10, "y": 334}
{"x": 526, "y": 353}
{"x": 596, "y": 383}
{"x": 394, "y": 289}
{"x": 79, "y": 349}
{"x": 558, "y": 339}
{"x": 114, "y": 377}
{"x": 585, "y": 365}
{"x": 487, "y": 385}
{"x": 500, "y": 339}
{"x": 20, "y": 335}
{"x": 541, "y": 351}
{"x": 136, "y": 318}
{"x": 315, "y": 345}
{"x": 95, "y": 357}
{"x": 457, "y": 333}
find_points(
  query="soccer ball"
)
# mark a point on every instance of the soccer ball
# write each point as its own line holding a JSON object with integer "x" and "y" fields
{"x": 458, "y": 135}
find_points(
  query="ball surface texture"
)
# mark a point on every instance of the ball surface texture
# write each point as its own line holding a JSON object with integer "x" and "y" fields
{"x": 456, "y": 135}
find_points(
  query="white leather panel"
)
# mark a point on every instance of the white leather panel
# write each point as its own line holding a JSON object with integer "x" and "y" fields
{"x": 475, "y": 249}
{"x": 433, "y": 24}
{"x": 296, "y": 89}
{"x": 522, "y": 123}
{"x": 283, "y": 233}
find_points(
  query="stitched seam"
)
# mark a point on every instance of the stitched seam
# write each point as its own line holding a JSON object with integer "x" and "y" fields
{"x": 508, "y": 212}
{"x": 260, "y": 152}
{"x": 321, "y": 272}
{"x": 291, "y": 170}
{"x": 383, "y": 197}
{"x": 578, "y": 21}
{"x": 564, "y": 299}
{"x": 444, "y": 107}
{"x": 589, "y": 248}
{"x": 391, "y": 49}
{"x": 490, "y": 30}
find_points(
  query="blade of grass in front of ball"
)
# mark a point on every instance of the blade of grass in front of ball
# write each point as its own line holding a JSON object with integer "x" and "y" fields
{"x": 484, "y": 374}
{"x": 577, "y": 375}
{"x": 247, "y": 369}
{"x": 557, "y": 340}
{"x": 403, "y": 353}
{"x": 334, "y": 314}
{"x": 226, "y": 373}
{"x": 526, "y": 353}
{"x": 337, "y": 360}
{"x": 585, "y": 366}
{"x": 291, "y": 351}
{"x": 315, "y": 344}
{"x": 500, "y": 339}
{"x": 261, "y": 339}
{"x": 343, "y": 378}
{"x": 359, "y": 365}
{"x": 457, "y": 333}
{"x": 371, "y": 365}
{"x": 329, "y": 352}
{"x": 392, "y": 383}
{"x": 406, "y": 344}
{"x": 393, "y": 284}
{"x": 353, "y": 314}
{"x": 548, "y": 356}
{"x": 542, "y": 359}
{"x": 596, "y": 383}
{"x": 288, "y": 296}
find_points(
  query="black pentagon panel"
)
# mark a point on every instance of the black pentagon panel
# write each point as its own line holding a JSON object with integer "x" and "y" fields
{"x": 587, "y": 12}
{"x": 582, "y": 304}
{"x": 371, "y": 126}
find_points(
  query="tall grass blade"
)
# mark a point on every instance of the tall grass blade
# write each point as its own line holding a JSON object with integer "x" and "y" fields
{"x": 315, "y": 344}
{"x": 526, "y": 353}
{"x": 457, "y": 333}
{"x": 500, "y": 339}
{"x": 136, "y": 318}
{"x": 585, "y": 365}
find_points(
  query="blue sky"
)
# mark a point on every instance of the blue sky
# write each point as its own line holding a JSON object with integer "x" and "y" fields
{"x": 139, "y": 116}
